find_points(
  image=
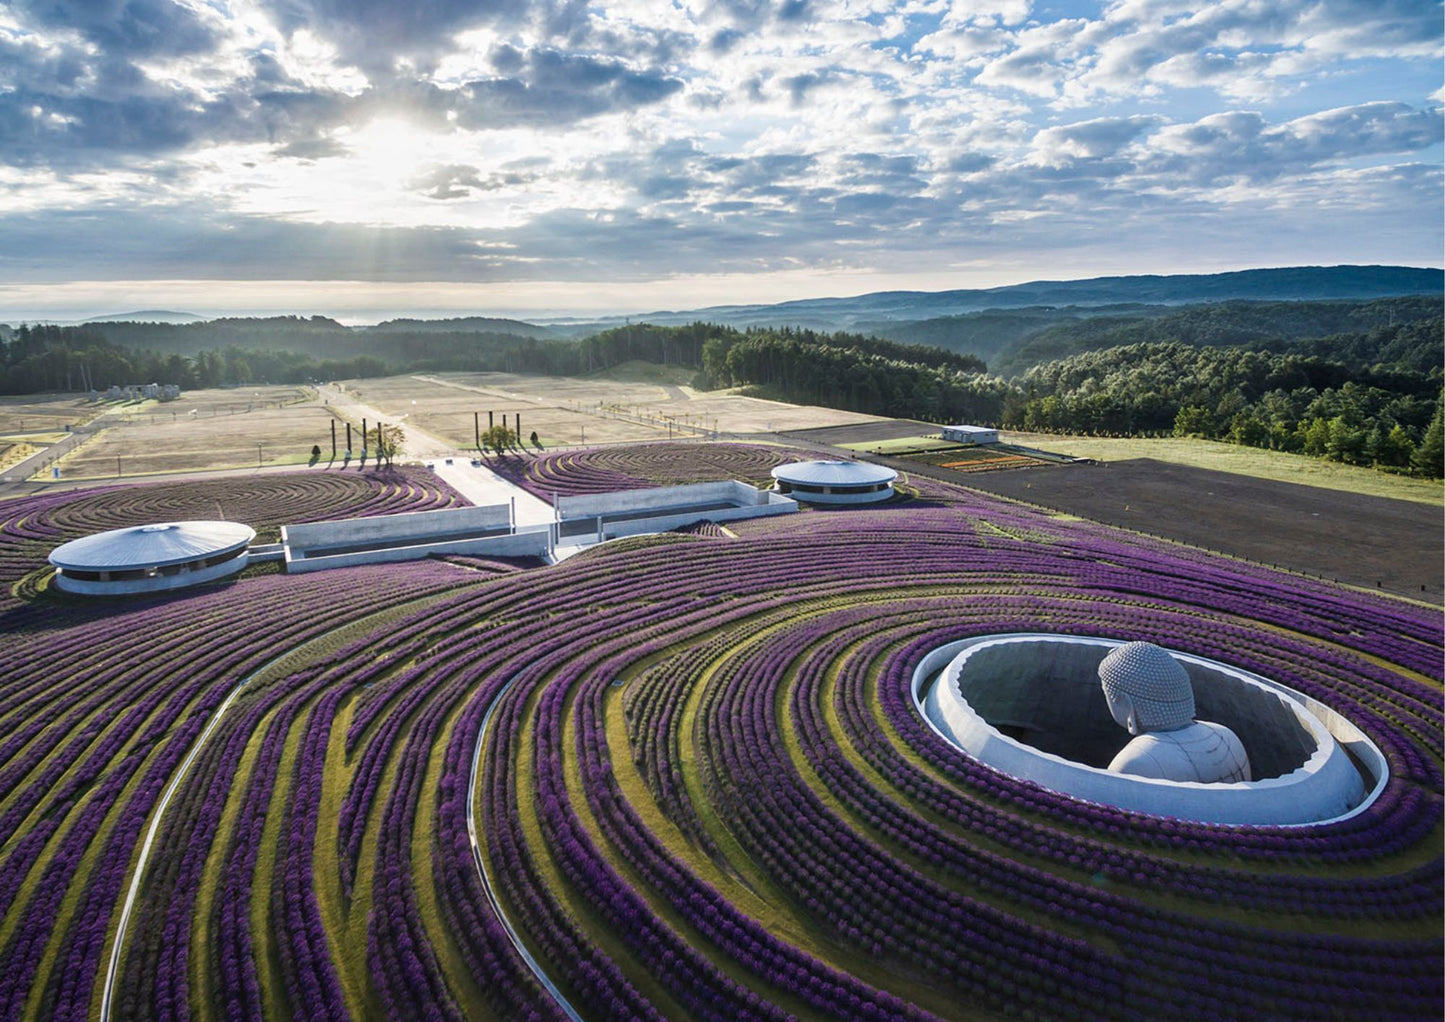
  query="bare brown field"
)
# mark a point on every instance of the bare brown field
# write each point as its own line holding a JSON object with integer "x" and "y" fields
{"x": 45, "y": 413}
{"x": 568, "y": 410}
{"x": 734, "y": 413}
{"x": 1360, "y": 539}
{"x": 219, "y": 434}
{"x": 445, "y": 406}
{"x": 863, "y": 432}
{"x": 216, "y": 402}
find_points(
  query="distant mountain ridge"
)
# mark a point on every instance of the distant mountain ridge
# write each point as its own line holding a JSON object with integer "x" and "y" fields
{"x": 463, "y": 324}
{"x": 148, "y": 316}
{"x": 1293, "y": 283}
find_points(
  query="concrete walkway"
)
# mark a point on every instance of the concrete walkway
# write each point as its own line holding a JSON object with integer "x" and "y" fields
{"x": 477, "y": 483}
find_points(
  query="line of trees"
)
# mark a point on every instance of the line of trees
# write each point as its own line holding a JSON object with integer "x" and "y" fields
{"x": 1369, "y": 398}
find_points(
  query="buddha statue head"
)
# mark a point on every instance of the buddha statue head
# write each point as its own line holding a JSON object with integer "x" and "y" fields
{"x": 1147, "y": 689}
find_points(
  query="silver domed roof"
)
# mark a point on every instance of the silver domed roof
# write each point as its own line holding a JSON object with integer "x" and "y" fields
{"x": 151, "y": 546}
{"x": 834, "y": 473}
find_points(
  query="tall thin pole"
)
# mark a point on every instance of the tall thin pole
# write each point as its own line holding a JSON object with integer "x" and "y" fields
{"x": 333, "y": 439}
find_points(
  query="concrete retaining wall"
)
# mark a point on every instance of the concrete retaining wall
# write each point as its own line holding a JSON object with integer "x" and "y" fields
{"x": 675, "y": 506}
{"x": 534, "y": 542}
{"x": 661, "y": 498}
{"x": 415, "y": 526}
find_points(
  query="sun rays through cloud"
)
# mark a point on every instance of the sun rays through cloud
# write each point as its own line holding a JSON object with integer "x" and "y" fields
{"x": 642, "y": 143}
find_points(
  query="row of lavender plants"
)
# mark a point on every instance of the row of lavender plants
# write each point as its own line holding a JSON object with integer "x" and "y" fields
{"x": 763, "y": 688}
{"x": 635, "y": 466}
{"x": 100, "y": 701}
{"x": 1066, "y": 879}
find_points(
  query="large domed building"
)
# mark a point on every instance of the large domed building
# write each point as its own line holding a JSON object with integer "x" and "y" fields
{"x": 835, "y": 482}
{"x": 151, "y": 558}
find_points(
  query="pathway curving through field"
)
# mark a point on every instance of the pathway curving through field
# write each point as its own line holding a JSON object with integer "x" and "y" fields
{"x": 107, "y": 995}
{"x": 512, "y": 934}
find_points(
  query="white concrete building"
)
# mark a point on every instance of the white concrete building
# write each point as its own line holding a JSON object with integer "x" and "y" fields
{"x": 970, "y": 434}
{"x": 151, "y": 558}
{"x": 835, "y": 482}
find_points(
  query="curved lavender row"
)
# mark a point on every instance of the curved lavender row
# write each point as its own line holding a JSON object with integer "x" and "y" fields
{"x": 803, "y": 846}
{"x": 1408, "y": 893}
{"x": 264, "y": 501}
{"x": 313, "y": 987}
{"x": 234, "y": 949}
{"x": 652, "y": 705}
{"x": 155, "y": 982}
{"x": 636, "y": 466}
{"x": 87, "y": 752}
{"x": 88, "y": 927}
{"x": 743, "y": 940}
{"x": 791, "y": 650}
{"x": 195, "y": 642}
{"x": 485, "y": 944}
{"x": 679, "y": 969}
{"x": 553, "y": 934}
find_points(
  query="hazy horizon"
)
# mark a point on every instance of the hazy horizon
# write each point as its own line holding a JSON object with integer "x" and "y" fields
{"x": 372, "y": 313}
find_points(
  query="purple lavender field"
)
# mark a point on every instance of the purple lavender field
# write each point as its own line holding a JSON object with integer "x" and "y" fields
{"x": 673, "y": 777}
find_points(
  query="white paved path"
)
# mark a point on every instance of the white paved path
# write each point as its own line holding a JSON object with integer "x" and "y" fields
{"x": 477, "y": 483}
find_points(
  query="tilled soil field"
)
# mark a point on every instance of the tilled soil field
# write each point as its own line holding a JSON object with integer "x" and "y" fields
{"x": 1394, "y": 545}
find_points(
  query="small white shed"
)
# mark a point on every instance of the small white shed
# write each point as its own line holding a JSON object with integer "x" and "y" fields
{"x": 970, "y": 435}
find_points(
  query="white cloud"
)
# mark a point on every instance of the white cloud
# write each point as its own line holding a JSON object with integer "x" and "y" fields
{"x": 642, "y": 138}
{"x": 1095, "y": 139}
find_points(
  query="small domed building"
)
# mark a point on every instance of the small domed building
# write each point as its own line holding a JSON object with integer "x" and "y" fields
{"x": 151, "y": 558}
{"x": 835, "y": 482}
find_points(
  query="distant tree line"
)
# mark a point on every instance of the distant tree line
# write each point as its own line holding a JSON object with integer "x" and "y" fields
{"x": 1383, "y": 414}
{"x": 862, "y": 374}
{"x": 1370, "y": 397}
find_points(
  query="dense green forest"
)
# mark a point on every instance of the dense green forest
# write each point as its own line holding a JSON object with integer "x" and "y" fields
{"x": 1012, "y": 340}
{"x": 1245, "y": 373}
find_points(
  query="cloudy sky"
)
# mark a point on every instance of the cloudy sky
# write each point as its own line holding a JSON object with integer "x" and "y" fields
{"x": 370, "y": 156}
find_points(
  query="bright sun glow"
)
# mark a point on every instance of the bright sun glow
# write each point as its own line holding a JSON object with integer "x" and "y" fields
{"x": 390, "y": 150}
{"x": 396, "y": 172}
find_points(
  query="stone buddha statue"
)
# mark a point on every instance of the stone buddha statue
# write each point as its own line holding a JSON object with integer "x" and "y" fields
{"x": 1150, "y": 694}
